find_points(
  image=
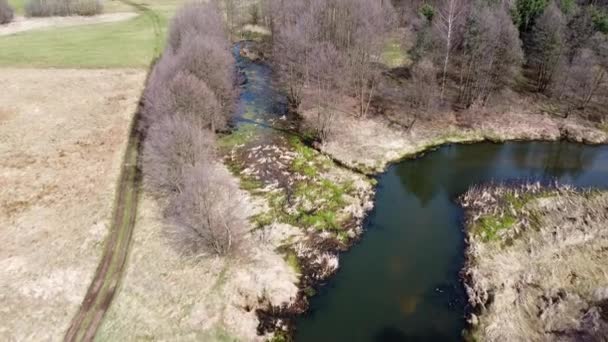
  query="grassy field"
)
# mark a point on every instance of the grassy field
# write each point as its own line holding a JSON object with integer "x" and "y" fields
{"x": 131, "y": 43}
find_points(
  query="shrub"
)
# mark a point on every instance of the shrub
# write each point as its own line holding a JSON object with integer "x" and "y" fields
{"x": 201, "y": 20}
{"x": 48, "y": 8}
{"x": 189, "y": 95}
{"x": 6, "y": 12}
{"x": 205, "y": 216}
{"x": 172, "y": 145}
{"x": 210, "y": 60}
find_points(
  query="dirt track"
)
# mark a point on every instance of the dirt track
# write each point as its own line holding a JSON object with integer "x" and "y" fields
{"x": 107, "y": 277}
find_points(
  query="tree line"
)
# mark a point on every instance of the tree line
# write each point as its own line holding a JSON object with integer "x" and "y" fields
{"x": 189, "y": 97}
{"x": 480, "y": 47}
{"x": 465, "y": 54}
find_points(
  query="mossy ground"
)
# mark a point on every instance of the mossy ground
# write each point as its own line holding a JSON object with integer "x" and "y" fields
{"x": 307, "y": 195}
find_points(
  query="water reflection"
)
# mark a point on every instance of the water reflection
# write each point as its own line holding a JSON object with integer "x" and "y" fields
{"x": 401, "y": 282}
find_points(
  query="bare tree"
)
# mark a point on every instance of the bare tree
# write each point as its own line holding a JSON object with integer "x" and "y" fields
{"x": 324, "y": 79}
{"x": 355, "y": 28}
{"x": 424, "y": 93}
{"x": 547, "y": 49}
{"x": 210, "y": 60}
{"x": 448, "y": 22}
{"x": 191, "y": 98}
{"x": 6, "y": 12}
{"x": 198, "y": 19}
{"x": 491, "y": 54}
{"x": 206, "y": 214}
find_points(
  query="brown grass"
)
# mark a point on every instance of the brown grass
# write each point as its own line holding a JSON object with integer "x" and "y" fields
{"x": 544, "y": 277}
{"x": 62, "y": 135}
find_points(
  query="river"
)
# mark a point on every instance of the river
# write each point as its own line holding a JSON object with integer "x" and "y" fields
{"x": 401, "y": 282}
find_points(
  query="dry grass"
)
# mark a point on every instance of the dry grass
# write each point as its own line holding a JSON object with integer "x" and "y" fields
{"x": 543, "y": 278}
{"x": 369, "y": 144}
{"x": 21, "y": 24}
{"x": 174, "y": 297}
{"x": 62, "y": 136}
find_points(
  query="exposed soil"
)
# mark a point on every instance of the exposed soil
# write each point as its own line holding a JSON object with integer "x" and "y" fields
{"x": 60, "y": 160}
{"x": 22, "y": 24}
{"x": 536, "y": 263}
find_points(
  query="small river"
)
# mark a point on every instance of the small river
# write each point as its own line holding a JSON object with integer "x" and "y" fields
{"x": 401, "y": 282}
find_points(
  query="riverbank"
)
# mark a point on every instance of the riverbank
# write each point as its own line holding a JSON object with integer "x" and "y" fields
{"x": 369, "y": 145}
{"x": 535, "y": 266}
{"x": 291, "y": 177}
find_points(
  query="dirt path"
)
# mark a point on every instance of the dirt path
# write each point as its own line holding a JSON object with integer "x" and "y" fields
{"x": 22, "y": 24}
{"x": 110, "y": 269}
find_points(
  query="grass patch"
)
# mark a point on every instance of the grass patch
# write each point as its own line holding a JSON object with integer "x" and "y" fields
{"x": 131, "y": 43}
{"x": 488, "y": 227}
{"x": 292, "y": 260}
{"x": 393, "y": 54}
{"x": 18, "y": 6}
{"x": 240, "y": 136}
{"x": 604, "y": 126}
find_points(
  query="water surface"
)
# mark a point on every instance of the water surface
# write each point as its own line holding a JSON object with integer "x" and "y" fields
{"x": 400, "y": 283}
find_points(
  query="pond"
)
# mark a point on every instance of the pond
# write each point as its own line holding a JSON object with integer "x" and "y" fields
{"x": 401, "y": 282}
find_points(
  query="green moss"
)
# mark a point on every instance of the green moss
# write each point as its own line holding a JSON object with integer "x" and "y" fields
{"x": 488, "y": 227}
{"x": 292, "y": 260}
{"x": 309, "y": 291}
{"x": 604, "y": 126}
{"x": 279, "y": 336}
{"x": 241, "y": 136}
{"x": 393, "y": 54}
{"x": 262, "y": 219}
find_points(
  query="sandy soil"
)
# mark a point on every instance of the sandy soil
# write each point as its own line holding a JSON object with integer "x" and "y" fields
{"x": 208, "y": 299}
{"x": 62, "y": 136}
{"x": 543, "y": 277}
{"x": 21, "y": 24}
{"x": 369, "y": 144}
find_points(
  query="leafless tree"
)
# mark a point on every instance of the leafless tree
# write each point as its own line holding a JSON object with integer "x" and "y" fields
{"x": 198, "y": 19}
{"x": 548, "y": 47}
{"x": 6, "y": 12}
{"x": 324, "y": 79}
{"x": 491, "y": 54}
{"x": 449, "y": 23}
{"x": 205, "y": 216}
{"x": 424, "y": 92}
{"x": 210, "y": 60}
{"x": 355, "y": 28}
{"x": 172, "y": 145}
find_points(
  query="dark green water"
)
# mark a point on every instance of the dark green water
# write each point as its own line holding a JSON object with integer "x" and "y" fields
{"x": 400, "y": 283}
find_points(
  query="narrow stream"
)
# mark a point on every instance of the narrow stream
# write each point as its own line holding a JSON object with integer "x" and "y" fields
{"x": 401, "y": 283}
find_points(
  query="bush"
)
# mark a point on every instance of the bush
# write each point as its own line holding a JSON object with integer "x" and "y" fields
{"x": 6, "y": 12}
{"x": 189, "y": 96}
{"x": 172, "y": 145}
{"x": 201, "y": 20}
{"x": 49, "y": 8}
{"x": 205, "y": 216}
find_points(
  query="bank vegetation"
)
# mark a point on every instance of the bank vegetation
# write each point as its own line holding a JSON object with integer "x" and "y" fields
{"x": 189, "y": 97}
{"x": 535, "y": 267}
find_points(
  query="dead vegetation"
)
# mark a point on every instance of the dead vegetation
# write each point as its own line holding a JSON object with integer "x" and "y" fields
{"x": 536, "y": 261}
{"x": 60, "y": 160}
